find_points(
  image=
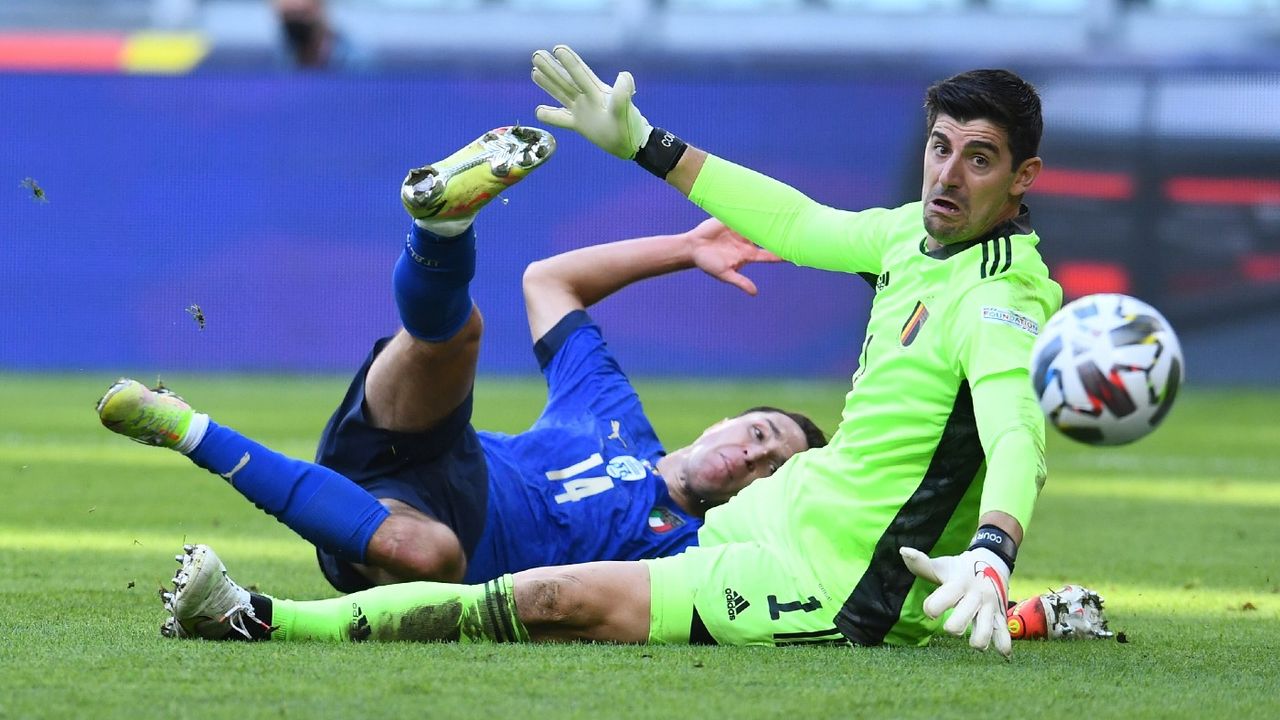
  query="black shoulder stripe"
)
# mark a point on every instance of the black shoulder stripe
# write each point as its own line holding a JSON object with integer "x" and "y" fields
{"x": 993, "y": 251}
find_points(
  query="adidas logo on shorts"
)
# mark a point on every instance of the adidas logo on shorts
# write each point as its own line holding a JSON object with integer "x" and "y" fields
{"x": 735, "y": 603}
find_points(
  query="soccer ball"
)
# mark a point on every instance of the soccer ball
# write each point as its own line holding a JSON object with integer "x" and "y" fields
{"x": 1106, "y": 369}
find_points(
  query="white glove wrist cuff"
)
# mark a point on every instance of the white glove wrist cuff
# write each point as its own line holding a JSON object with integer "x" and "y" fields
{"x": 995, "y": 561}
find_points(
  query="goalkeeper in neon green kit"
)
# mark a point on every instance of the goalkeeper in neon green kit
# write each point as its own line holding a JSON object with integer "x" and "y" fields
{"x": 920, "y": 500}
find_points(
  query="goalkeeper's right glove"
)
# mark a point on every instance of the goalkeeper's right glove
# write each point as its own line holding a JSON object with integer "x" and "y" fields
{"x": 602, "y": 114}
{"x": 975, "y": 583}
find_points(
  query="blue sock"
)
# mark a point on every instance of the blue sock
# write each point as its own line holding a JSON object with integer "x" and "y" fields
{"x": 432, "y": 283}
{"x": 325, "y": 508}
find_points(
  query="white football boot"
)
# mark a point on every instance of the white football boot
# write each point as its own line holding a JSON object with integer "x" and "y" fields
{"x": 205, "y": 603}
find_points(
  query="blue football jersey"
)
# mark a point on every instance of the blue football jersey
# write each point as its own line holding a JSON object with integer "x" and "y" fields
{"x": 580, "y": 484}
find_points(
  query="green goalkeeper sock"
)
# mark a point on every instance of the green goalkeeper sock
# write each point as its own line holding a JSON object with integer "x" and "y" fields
{"x": 421, "y": 611}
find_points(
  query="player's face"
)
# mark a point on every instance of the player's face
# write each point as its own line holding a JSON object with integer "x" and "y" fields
{"x": 735, "y": 452}
{"x": 970, "y": 185}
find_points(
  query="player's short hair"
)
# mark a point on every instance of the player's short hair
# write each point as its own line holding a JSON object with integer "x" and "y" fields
{"x": 996, "y": 95}
{"x": 813, "y": 434}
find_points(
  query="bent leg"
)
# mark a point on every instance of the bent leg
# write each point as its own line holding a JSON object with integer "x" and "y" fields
{"x": 411, "y": 545}
{"x": 414, "y": 384}
{"x": 428, "y": 368}
{"x": 421, "y": 381}
{"x": 745, "y": 593}
{"x": 324, "y": 507}
{"x": 387, "y": 540}
{"x": 435, "y": 482}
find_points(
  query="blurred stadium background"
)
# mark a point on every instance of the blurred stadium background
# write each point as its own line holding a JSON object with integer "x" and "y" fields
{"x": 186, "y": 160}
{"x": 160, "y": 154}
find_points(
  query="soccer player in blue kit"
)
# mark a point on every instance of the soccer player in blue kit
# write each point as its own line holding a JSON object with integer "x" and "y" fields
{"x": 405, "y": 489}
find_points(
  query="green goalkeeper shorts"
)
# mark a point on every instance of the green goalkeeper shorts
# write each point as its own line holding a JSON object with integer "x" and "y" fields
{"x": 738, "y": 593}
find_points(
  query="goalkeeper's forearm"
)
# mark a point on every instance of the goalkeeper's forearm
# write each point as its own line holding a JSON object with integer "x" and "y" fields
{"x": 766, "y": 211}
{"x": 687, "y": 169}
{"x": 1011, "y": 427}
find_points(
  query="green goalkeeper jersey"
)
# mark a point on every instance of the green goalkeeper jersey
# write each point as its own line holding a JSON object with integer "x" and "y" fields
{"x": 940, "y": 424}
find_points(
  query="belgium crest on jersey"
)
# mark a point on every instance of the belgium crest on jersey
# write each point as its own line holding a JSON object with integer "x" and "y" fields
{"x": 914, "y": 323}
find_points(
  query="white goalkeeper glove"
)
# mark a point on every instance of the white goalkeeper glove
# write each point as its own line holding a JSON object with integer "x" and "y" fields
{"x": 976, "y": 584}
{"x": 602, "y": 114}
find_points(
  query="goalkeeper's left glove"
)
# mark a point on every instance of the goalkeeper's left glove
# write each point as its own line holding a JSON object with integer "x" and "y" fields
{"x": 976, "y": 584}
{"x": 602, "y": 114}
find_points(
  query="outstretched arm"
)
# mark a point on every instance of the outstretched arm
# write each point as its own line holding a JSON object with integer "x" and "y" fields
{"x": 580, "y": 278}
{"x": 764, "y": 210}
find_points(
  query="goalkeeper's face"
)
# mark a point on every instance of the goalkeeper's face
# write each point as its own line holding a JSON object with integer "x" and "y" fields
{"x": 970, "y": 182}
{"x": 736, "y": 452}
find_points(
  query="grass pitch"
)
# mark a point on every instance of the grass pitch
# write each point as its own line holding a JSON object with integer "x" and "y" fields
{"x": 1179, "y": 532}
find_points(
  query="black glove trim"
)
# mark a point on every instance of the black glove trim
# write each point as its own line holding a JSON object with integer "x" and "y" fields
{"x": 661, "y": 152}
{"x": 997, "y": 541}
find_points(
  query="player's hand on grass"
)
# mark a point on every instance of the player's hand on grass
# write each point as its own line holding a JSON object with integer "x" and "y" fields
{"x": 721, "y": 253}
{"x": 976, "y": 584}
{"x": 600, "y": 113}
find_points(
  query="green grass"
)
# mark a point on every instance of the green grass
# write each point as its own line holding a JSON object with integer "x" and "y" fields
{"x": 1179, "y": 532}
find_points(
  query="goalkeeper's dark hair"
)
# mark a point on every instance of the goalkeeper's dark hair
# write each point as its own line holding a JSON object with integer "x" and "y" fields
{"x": 995, "y": 95}
{"x": 813, "y": 434}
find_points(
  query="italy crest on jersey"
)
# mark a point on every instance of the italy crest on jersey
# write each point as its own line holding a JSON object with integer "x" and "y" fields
{"x": 662, "y": 520}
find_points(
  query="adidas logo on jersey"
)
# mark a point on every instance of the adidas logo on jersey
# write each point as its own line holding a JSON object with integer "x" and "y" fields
{"x": 735, "y": 603}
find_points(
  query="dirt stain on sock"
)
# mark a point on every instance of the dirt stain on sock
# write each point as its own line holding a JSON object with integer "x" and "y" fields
{"x": 429, "y": 623}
